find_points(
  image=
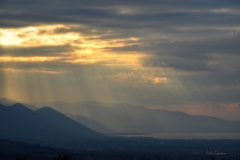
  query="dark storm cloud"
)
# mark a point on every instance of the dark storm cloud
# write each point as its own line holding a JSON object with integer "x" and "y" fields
{"x": 208, "y": 54}
{"x": 119, "y": 14}
{"x": 224, "y": 44}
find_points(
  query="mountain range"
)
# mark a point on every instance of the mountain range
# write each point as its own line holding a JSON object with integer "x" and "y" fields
{"x": 75, "y": 122}
{"x": 125, "y": 118}
{"x": 86, "y": 121}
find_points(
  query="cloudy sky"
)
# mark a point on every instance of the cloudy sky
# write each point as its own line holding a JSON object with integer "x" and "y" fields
{"x": 181, "y": 55}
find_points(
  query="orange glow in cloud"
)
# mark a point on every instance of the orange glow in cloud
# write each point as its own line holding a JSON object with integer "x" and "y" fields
{"x": 105, "y": 58}
{"x": 28, "y": 59}
{"x": 87, "y": 49}
{"x": 159, "y": 80}
{"x": 36, "y": 36}
{"x": 30, "y": 71}
{"x": 136, "y": 78}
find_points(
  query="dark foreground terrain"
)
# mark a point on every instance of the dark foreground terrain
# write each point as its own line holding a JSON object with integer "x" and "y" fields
{"x": 47, "y": 134}
{"x": 127, "y": 149}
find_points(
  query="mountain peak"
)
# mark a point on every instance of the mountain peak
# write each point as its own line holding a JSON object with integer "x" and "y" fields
{"x": 20, "y": 107}
{"x": 47, "y": 111}
{"x": 7, "y": 102}
{"x": 17, "y": 105}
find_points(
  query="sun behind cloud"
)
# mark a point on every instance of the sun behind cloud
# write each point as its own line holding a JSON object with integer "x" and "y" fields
{"x": 86, "y": 49}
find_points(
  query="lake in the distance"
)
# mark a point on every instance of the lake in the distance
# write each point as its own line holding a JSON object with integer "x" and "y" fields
{"x": 235, "y": 136}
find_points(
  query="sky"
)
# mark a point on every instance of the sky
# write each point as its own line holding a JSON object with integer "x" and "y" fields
{"x": 180, "y": 55}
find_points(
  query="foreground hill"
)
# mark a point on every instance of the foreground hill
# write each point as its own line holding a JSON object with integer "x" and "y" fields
{"x": 128, "y": 148}
{"x": 17, "y": 122}
{"x": 136, "y": 119}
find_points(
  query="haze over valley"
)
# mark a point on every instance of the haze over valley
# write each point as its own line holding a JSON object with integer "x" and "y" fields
{"x": 107, "y": 118}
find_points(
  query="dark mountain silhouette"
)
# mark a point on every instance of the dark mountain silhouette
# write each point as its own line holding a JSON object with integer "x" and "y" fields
{"x": 66, "y": 125}
{"x": 9, "y": 102}
{"x": 137, "y": 119}
{"x": 90, "y": 123}
{"x": 18, "y": 122}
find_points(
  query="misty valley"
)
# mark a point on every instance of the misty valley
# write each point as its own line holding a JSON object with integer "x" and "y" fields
{"x": 96, "y": 130}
